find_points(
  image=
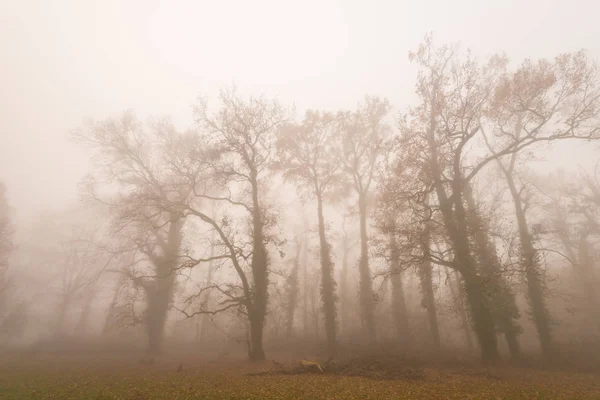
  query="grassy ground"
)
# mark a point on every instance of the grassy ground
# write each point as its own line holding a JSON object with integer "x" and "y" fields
{"x": 94, "y": 378}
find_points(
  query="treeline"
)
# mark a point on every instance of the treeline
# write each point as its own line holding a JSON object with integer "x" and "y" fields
{"x": 443, "y": 188}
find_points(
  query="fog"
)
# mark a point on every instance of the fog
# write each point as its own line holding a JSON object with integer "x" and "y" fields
{"x": 309, "y": 180}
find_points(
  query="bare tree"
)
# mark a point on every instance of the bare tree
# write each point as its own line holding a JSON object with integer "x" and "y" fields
{"x": 309, "y": 155}
{"x": 453, "y": 93}
{"x": 543, "y": 101}
{"x": 6, "y": 246}
{"x": 131, "y": 180}
{"x": 228, "y": 164}
{"x": 364, "y": 135}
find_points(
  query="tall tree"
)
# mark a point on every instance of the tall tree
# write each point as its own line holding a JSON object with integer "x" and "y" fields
{"x": 229, "y": 163}
{"x": 541, "y": 101}
{"x": 364, "y": 135}
{"x": 453, "y": 94}
{"x": 309, "y": 155}
{"x": 129, "y": 179}
{"x": 6, "y": 246}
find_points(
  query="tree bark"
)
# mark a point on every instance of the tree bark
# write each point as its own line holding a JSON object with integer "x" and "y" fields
{"x": 455, "y": 291}
{"x": 533, "y": 271}
{"x": 159, "y": 293}
{"x": 259, "y": 266}
{"x": 327, "y": 282}
{"x": 366, "y": 284}
{"x": 455, "y": 224}
{"x": 344, "y": 314}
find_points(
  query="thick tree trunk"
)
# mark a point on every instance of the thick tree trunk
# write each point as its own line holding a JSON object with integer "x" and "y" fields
{"x": 399, "y": 311}
{"x": 257, "y": 323}
{"x": 159, "y": 300}
{"x": 327, "y": 282}
{"x": 455, "y": 224}
{"x": 455, "y": 291}
{"x": 366, "y": 284}
{"x": 479, "y": 304}
{"x": 503, "y": 301}
{"x": 159, "y": 293}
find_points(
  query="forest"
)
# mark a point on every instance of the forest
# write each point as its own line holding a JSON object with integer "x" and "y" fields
{"x": 414, "y": 235}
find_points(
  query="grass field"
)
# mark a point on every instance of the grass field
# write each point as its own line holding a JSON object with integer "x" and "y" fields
{"x": 121, "y": 378}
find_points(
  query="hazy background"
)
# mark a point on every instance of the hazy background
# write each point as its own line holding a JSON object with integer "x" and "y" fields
{"x": 62, "y": 61}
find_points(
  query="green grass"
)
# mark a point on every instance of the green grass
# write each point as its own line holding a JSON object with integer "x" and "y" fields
{"x": 60, "y": 378}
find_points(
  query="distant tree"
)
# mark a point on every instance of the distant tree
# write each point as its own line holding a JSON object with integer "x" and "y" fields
{"x": 6, "y": 245}
{"x": 129, "y": 177}
{"x": 543, "y": 101}
{"x": 349, "y": 239}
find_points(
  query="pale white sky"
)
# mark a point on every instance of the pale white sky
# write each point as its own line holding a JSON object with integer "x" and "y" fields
{"x": 64, "y": 60}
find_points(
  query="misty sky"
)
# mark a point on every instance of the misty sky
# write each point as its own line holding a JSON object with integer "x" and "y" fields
{"x": 63, "y": 61}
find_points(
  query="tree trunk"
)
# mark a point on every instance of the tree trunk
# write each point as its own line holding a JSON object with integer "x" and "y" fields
{"x": 205, "y": 318}
{"x": 366, "y": 284}
{"x": 426, "y": 275}
{"x": 259, "y": 264}
{"x": 503, "y": 304}
{"x": 344, "y": 315}
{"x": 305, "y": 285}
{"x": 159, "y": 300}
{"x": 533, "y": 271}
{"x": 159, "y": 293}
{"x": 398, "y": 301}
{"x": 257, "y": 323}
{"x": 455, "y": 224}
{"x": 327, "y": 282}
{"x": 483, "y": 321}
{"x": 455, "y": 289}
{"x": 293, "y": 291}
